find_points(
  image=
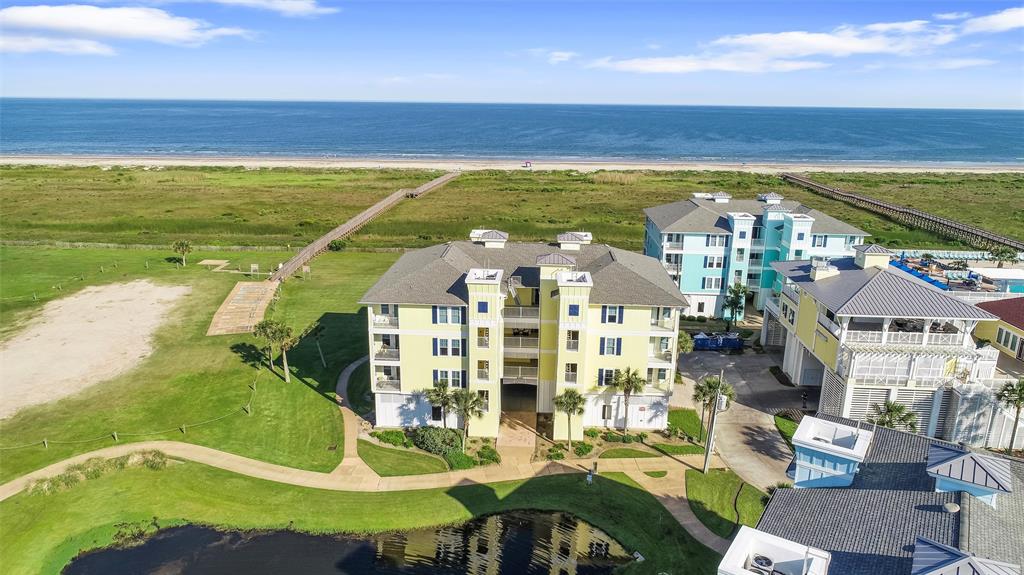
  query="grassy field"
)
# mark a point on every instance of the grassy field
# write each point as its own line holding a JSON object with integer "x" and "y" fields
{"x": 688, "y": 420}
{"x": 222, "y": 206}
{"x": 190, "y": 377}
{"x": 388, "y": 462}
{"x": 209, "y": 206}
{"x": 990, "y": 201}
{"x": 41, "y": 533}
{"x": 626, "y": 453}
{"x": 717, "y": 497}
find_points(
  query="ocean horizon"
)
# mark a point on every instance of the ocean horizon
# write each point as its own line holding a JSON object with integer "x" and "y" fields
{"x": 567, "y": 132}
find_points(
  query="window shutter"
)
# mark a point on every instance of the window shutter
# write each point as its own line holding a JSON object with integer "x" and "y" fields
{"x": 727, "y": 238}
{"x": 705, "y": 262}
{"x": 435, "y": 346}
{"x": 601, "y": 351}
{"x": 618, "y": 346}
{"x": 463, "y": 347}
{"x": 707, "y": 241}
{"x": 464, "y": 384}
{"x": 604, "y": 314}
{"x": 621, "y": 313}
{"x": 600, "y": 377}
{"x": 433, "y": 318}
{"x": 464, "y": 312}
{"x": 435, "y": 376}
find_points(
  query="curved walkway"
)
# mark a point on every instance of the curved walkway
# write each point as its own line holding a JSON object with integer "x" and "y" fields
{"x": 354, "y": 475}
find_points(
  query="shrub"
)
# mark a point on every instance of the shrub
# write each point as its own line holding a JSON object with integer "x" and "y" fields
{"x": 459, "y": 460}
{"x": 745, "y": 333}
{"x": 691, "y": 318}
{"x": 701, "y": 319}
{"x": 627, "y": 438}
{"x": 641, "y": 437}
{"x": 336, "y": 245}
{"x": 488, "y": 454}
{"x": 592, "y": 433}
{"x": 612, "y": 437}
{"x": 394, "y": 437}
{"x": 436, "y": 440}
{"x": 582, "y": 449}
{"x": 556, "y": 455}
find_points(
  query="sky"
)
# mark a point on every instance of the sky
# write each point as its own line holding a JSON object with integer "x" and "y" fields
{"x": 918, "y": 54}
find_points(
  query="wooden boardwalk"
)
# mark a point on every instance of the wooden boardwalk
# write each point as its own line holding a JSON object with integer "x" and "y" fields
{"x": 344, "y": 230}
{"x": 919, "y": 219}
{"x": 243, "y": 308}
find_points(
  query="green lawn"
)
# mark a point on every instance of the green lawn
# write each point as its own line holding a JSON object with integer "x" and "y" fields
{"x": 41, "y": 533}
{"x": 990, "y": 201}
{"x": 388, "y": 462}
{"x": 787, "y": 428}
{"x": 359, "y": 396}
{"x": 190, "y": 378}
{"x": 656, "y": 474}
{"x": 625, "y": 453}
{"x": 688, "y": 420}
{"x": 676, "y": 449}
{"x": 210, "y": 206}
{"x": 716, "y": 497}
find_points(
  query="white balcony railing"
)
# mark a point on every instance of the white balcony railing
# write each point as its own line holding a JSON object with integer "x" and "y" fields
{"x": 772, "y": 304}
{"x": 672, "y": 268}
{"x": 945, "y": 338}
{"x": 387, "y": 353}
{"x": 660, "y": 356}
{"x": 483, "y": 342}
{"x": 572, "y": 345}
{"x": 673, "y": 245}
{"x": 904, "y": 338}
{"x": 519, "y": 372}
{"x": 385, "y": 320}
{"x": 863, "y": 336}
{"x": 515, "y": 342}
{"x": 663, "y": 324}
{"x": 387, "y": 385}
{"x": 522, "y": 312}
{"x": 830, "y": 325}
{"x": 570, "y": 376}
{"x": 790, "y": 292}
{"x": 483, "y": 374}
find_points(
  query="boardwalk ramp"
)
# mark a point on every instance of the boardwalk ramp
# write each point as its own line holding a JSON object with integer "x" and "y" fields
{"x": 243, "y": 308}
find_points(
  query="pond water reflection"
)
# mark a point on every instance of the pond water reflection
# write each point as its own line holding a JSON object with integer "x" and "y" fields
{"x": 521, "y": 542}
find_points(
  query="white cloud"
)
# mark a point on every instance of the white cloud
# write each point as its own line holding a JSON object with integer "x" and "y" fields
{"x": 952, "y": 15}
{"x": 28, "y": 44}
{"x": 1008, "y": 19}
{"x": 552, "y": 56}
{"x": 734, "y": 62}
{"x": 284, "y": 7}
{"x": 909, "y": 26}
{"x": 900, "y": 38}
{"x": 960, "y": 63}
{"x": 135, "y": 23}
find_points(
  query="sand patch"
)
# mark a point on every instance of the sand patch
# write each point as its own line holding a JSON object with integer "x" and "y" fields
{"x": 81, "y": 340}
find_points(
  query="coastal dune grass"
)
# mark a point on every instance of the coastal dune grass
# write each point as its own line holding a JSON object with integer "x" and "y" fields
{"x": 42, "y": 533}
{"x": 190, "y": 377}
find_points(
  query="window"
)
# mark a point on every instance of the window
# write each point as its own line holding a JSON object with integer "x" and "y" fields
{"x": 800, "y": 237}
{"x": 483, "y": 337}
{"x": 485, "y": 396}
{"x": 481, "y": 307}
{"x": 743, "y": 234}
{"x": 452, "y": 377}
{"x": 798, "y": 254}
{"x": 606, "y": 411}
{"x": 712, "y": 283}
{"x": 456, "y": 347}
{"x": 662, "y": 374}
{"x": 740, "y": 254}
{"x": 714, "y": 262}
{"x": 818, "y": 240}
{"x": 700, "y": 307}
{"x": 1007, "y": 339}
{"x": 452, "y": 347}
{"x": 435, "y": 413}
{"x": 611, "y": 346}
{"x": 385, "y": 309}
{"x": 447, "y": 314}
{"x": 754, "y": 278}
{"x": 572, "y": 340}
{"x": 756, "y": 232}
{"x": 455, "y": 377}
{"x": 574, "y": 310}
{"x": 756, "y": 256}
{"x": 716, "y": 241}
{"x": 611, "y": 314}
{"x": 605, "y": 377}
{"x": 441, "y": 347}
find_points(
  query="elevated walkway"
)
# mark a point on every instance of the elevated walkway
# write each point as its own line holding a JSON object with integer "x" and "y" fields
{"x": 243, "y": 308}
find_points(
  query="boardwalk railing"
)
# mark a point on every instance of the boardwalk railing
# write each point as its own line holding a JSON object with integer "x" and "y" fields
{"x": 917, "y": 218}
{"x": 320, "y": 245}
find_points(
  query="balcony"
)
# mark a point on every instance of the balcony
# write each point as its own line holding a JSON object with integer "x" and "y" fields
{"x": 672, "y": 245}
{"x": 483, "y": 374}
{"x": 385, "y": 321}
{"x": 571, "y": 377}
{"x": 516, "y": 346}
{"x": 483, "y": 342}
{"x": 829, "y": 324}
{"x": 387, "y": 385}
{"x": 572, "y": 345}
{"x": 521, "y": 315}
{"x": 791, "y": 293}
{"x": 519, "y": 374}
{"x": 387, "y": 354}
{"x": 672, "y": 268}
{"x": 663, "y": 325}
{"x": 904, "y": 338}
{"x": 772, "y": 305}
{"x": 662, "y": 357}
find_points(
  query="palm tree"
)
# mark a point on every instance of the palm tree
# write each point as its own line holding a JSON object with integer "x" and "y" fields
{"x": 893, "y": 415}
{"x": 276, "y": 333}
{"x": 628, "y": 382}
{"x": 1002, "y": 255}
{"x": 735, "y": 301}
{"x": 286, "y": 342}
{"x": 184, "y": 247}
{"x": 571, "y": 403}
{"x": 704, "y": 393}
{"x": 467, "y": 404}
{"x": 441, "y": 397}
{"x": 685, "y": 343}
{"x": 265, "y": 330}
{"x": 1012, "y": 396}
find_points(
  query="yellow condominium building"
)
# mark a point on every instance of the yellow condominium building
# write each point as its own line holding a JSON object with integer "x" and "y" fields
{"x": 520, "y": 323}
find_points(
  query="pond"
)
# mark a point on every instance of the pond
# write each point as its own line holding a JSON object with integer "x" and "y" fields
{"x": 520, "y": 542}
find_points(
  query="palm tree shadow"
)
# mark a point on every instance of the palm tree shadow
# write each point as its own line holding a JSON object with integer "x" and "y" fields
{"x": 250, "y": 354}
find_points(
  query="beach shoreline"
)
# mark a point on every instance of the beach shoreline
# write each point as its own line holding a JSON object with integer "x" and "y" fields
{"x": 478, "y": 164}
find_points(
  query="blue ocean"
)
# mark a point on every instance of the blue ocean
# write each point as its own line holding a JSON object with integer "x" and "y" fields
{"x": 509, "y": 131}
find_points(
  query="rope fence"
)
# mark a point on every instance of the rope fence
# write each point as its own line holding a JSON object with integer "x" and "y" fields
{"x": 246, "y": 409}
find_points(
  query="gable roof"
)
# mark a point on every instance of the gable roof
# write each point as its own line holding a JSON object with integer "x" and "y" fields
{"x": 934, "y": 558}
{"x": 1010, "y": 310}
{"x": 436, "y": 275}
{"x": 704, "y": 215}
{"x": 871, "y": 249}
{"x": 877, "y": 292}
{"x": 556, "y": 260}
{"x": 573, "y": 237}
{"x": 969, "y": 467}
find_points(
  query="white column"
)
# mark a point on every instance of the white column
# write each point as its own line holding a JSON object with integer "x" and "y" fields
{"x": 885, "y": 330}
{"x": 845, "y": 325}
{"x": 968, "y": 328}
{"x": 933, "y": 423}
{"x": 924, "y": 334}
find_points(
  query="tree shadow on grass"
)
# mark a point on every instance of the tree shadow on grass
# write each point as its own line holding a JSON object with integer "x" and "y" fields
{"x": 342, "y": 339}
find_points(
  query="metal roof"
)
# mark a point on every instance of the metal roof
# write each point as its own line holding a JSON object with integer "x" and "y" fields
{"x": 574, "y": 237}
{"x": 556, "y": 260}
{"x": 705, "y": 215}
{"x": 436, "y": 275}
{"x": 877, "y": 292}
{"x": 969, "y": 467}
{"x": 934, "y": 558}
{"x": 871, "y": 249}
{"x": 494, "y": 235}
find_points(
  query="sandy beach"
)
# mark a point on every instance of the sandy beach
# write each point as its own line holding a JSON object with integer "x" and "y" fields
{"x": 499, "y": 164}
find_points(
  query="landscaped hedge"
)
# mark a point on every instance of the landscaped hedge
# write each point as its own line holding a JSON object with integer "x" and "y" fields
{"x": 614, "y": 437}
{"x": 437, "y": 440}
{"x": 582, "y": 449}
{"x": 395, "y": 437}
{"x": 459, "y": 460}
{"x": 488, "y": 454}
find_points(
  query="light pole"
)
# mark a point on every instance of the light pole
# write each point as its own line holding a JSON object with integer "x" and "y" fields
{"x": 709, "y": 446}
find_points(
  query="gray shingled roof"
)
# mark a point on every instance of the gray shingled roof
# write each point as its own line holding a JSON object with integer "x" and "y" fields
{"x": 871, "y": 526}
{"x": 436, "y": 275}
{"x": 556, "y": 260}
{"x": 933, "y": 558}
{"x": 871, "y": 249}
{"x": 698, "y": 215}
{"x": 877, "y": 292}
{"x": 975, "y": 468}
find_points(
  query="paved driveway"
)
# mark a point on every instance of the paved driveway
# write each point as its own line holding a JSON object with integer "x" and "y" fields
{"x": 746, "y": 436}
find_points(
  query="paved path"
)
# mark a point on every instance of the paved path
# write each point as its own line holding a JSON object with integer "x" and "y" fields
{"x": 243, "y": 308}
{"x": 671, "y": 492}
